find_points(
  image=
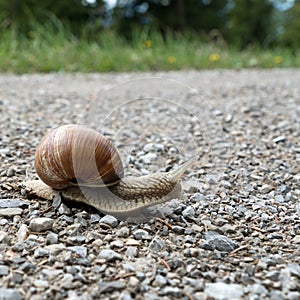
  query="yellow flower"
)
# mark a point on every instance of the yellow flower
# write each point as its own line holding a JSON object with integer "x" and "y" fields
{"x": 278, "y": 59}
{"x": 214, "y": 57}
{"x": 148, "y": 43}
{"x": 171, "y": 60}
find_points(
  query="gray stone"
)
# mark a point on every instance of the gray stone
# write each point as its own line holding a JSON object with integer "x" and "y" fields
{"x": 64, "y": 209}
{"x": 68, "y": 257}
{"x": 10, "y": 172}
{"x": 51, "y": 238}
{"x": 117, "y": 244}
{"x": 140, "y": 234}
{"x": 224, "y": 291}
{"x": 125, "y": 296}
{"x": 110, "y": 220}
{"x": 4, "y": 238}
{"x": 279, "y": 139}
{"x": 258, "y": 289}
{"x": 3, "y": 270}
{"x": 41, "y": 252}
{"x": 216, "y": 241}
{"x": 55, "y": 248}
{"x": 22, "y": 233}
{"x": 197, "y": 197}
{"x": 293, "y": 295}
{"x": 109, "y": 255}
{"x": 171, "y": 291}
{"x": 273, "y": 275}
{"x": 18, "y": 247}
{"x": 272, "y": 260}
{"x": 41, "y": 224}
{"x": 9, "y": 203}
{"x": 67, "y": 281}
{"x": 294, "y": 269}
{"x": 110, "y": 286}
{"x": 81, "y": 251}
{"x": 151, "y": 296}
{"x": 3, "y": 222}
{"x": 178, "y": 229}
{"x": 279, "y": 198}
{"x": 148, "y": 158}
{"x": 159, "y": 147}
{"x": 51, "y": 273}
{"x": 78, "y": 239}
{"x": 95, "y": 218}
{"x": 11, "y": 211}
{"x": 189, "y": 211}
{"x": 16, "y": 278}
{"x": 160, "y": 281}
{"x": 39, "y": 283}
{"x": 149, "y": 147}
{"x": 26, "y": 266}
{"x": 157, "y": 244}
{"x": 277, "y": 295}
{"x": 131, "y": 252}
{"x": 56, "y": 201}
{"x": 123, "y": 232}
{"x": 9, "y": 294}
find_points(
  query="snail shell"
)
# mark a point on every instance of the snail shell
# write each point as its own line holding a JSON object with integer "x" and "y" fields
{"x": 74, "y": 154}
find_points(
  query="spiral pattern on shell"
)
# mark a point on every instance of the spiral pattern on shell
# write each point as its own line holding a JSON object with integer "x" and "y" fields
{"x": 77, "y": 155}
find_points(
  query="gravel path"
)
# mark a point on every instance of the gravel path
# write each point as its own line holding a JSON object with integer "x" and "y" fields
{"x": 235, "y": 234}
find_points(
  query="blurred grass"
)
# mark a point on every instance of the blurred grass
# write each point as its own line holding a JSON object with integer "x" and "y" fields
{"x": 52, "y": 48}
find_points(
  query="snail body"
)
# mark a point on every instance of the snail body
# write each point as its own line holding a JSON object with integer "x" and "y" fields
{"x": 85, "y": 167}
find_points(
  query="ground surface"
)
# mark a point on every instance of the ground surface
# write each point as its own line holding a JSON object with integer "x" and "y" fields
{"x": 235, "y": 235}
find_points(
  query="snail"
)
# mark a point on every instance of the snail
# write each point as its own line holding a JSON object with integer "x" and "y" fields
{"x": 84, "y": 166}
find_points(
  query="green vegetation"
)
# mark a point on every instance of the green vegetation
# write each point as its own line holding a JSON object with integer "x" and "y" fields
{"x": 140, "y": 35}
{"x": 51, "y": 48}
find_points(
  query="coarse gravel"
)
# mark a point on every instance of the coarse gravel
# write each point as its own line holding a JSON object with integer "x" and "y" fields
{"x": 235, "y": 234}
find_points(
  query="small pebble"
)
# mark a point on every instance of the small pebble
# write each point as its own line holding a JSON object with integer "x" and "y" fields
{"x": 148, "y": 158}
{"x": 279, "y": 139}
{"x": 110, "y": 220}
{"x": 131, "y": 252}
{"x": 140, "y": 234}
{"x": 55, "y": 248}
{"x": 157, "y": 244}
{"x": 23, "y": 233}
{"x": 10, "y": 172}
{"x": 95, "y": 218}
{"x": 214, "y": 240}
{"x": 9, "y": 294}
{"x": 41, "y": 252}
{"x": 38, "y": 283}
{"x": 3, "y": 270}
{"x": 220, "y": 290}
{"x": 9, "y": 203}
{"x": 108, "y": 287}
{"x": 4, "y": 238}
{"x": 109, "y": 255}
{"x": 171, "y": 291}
{"x": 41, "y": 224}
{"x": 188, "y": 212}
{"x": 51, "y": 238}
{"x": 11, "y": 211}
{"x": 160, "y": 281}
{"x": 81, "y": 251}
{"x": 64, "y": 209}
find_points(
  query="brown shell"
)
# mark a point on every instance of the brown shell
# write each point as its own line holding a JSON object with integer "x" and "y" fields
{"x": 75, "y": 154}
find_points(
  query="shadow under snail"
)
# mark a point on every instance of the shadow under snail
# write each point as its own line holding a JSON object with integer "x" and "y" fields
{"x": 84, "y": 166}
